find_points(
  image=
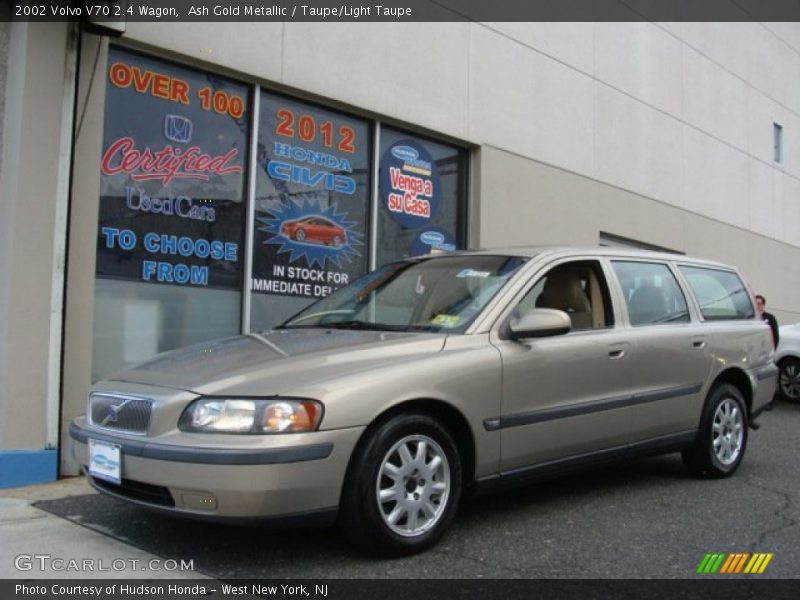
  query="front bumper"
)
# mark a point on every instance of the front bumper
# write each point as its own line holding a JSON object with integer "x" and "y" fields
{"x": 228, "y": 477}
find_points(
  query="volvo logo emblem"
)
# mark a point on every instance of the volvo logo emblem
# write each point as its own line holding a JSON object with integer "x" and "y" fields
{"x": 177, "y": 129}
{"x": 112, "y": 412}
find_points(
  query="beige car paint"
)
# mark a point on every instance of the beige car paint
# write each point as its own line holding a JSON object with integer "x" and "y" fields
{"x": 360, "y": 375}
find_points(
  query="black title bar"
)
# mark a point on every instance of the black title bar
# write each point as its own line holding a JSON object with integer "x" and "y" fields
{"x": 172, "y": 11}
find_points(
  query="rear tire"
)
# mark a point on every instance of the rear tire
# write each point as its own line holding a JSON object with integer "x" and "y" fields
{"x": 722, "y": 439}
{"x": 403, "y": 486}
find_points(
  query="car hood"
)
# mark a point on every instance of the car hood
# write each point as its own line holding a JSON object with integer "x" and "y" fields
{"x": 278, "y": 362}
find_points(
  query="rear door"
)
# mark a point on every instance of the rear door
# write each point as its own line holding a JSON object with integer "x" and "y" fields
{"x": 670, "y": 359}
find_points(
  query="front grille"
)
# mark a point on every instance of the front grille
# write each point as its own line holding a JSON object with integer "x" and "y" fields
{"x": 122, "y": 413}
{"x": 136, "y": 490}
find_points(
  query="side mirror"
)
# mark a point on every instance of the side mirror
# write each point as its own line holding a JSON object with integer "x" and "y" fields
{"x": 539, "y": 322}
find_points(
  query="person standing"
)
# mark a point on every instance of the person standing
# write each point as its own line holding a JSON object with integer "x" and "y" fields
{"x": 761, "y": 302}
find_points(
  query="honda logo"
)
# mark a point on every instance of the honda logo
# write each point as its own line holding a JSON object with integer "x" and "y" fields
{"x": 177, "y": 129}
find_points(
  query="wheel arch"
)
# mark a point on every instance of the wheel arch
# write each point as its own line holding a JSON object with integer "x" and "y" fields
{"x": 786, "y": 358}
{"x": 451, "y": 419}
{"x": 737, "y": 378}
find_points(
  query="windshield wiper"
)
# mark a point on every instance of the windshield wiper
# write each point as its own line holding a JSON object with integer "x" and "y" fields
{"x": 422, "y": 328}
{"x": 361, "y": 325}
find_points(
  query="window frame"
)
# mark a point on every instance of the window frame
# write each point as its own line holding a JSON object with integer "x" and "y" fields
{"x": 696, "y": 301}
{"x": 778, "y": 156}
{"x": 601, "y": 271}
{"x": 670, "y": 267}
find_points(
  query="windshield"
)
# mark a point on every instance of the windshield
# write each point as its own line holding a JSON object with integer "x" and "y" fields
{"x": 445, "y": 293}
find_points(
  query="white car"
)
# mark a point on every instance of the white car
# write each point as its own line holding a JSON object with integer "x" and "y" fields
{"x": 787, "y": 358}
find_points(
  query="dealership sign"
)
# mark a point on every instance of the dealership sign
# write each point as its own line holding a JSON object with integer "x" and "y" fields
{"x": 311, "y": 208}
{"x": 172, "y": 175}
{"x": 409, "y": 184}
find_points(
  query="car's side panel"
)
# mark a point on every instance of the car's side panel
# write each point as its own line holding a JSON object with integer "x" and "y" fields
{"x": 563, "y": 396}
{"x": 465, "y": 375}
{"x": 669, "y": 361}
{"x": 745, "y": 345}
{"x": 669, "y": 369}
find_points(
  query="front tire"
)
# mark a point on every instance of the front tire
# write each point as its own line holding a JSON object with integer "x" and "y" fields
{"x": 403, "y": 486}
{"x": 789, "y": 379}
{"x": 722, "y": 440}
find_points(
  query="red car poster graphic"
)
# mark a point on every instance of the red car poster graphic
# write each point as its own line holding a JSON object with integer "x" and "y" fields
{"x": 314, "y": 229}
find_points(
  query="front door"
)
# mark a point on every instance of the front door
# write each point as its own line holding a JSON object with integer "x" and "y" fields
{"x": 567, "y": 395}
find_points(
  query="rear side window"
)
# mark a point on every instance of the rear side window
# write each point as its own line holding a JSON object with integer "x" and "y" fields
{"x": 720, "y": 294}
{"x": 651, "y": 292}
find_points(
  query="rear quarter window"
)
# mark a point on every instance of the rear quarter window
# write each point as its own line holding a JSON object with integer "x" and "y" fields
{"x": 720, "y": 294}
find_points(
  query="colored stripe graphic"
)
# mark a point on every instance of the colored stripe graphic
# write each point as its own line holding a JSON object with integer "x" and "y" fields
{"x": 732, "y": 559}
{"x": 744, "y": 558}
{"x": 711, "y": 563}
{"x": 758, "y": 563}
{"x": 733, "y": 563}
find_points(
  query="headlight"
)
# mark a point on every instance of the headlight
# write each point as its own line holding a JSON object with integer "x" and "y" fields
{"x": 242, "y": 415}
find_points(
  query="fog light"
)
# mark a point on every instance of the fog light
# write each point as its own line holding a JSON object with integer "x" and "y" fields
{"x": 199, "y": 501}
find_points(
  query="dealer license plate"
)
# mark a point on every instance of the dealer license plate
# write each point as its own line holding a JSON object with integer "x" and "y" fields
{"x": 105, "y": 461}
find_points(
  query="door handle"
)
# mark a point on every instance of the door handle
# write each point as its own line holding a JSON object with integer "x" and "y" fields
{"x": 618, "y": 351}
{"x": 699, "y": 344}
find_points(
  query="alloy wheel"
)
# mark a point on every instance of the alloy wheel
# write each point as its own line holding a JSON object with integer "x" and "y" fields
{"x": 413, "y": 485}
{"x": 728, "y": 431}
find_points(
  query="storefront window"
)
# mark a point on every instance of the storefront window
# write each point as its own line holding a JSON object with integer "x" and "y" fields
{"x": 421, "y": 193}
{"x": 311, "y": 206}
{"x": 171, "y": 218}
{"x": 171, "y": 234}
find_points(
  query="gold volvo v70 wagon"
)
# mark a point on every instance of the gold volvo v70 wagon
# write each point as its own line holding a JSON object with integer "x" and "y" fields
{"x": 384, "y": 403}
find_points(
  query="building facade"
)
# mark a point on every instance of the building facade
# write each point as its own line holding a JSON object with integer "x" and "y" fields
{"x": 188, "y": 181}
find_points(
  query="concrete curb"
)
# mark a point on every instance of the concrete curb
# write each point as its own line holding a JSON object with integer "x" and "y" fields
{"x": 39, "y": 545}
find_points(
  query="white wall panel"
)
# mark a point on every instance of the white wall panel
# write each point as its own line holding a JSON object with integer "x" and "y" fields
{"x": 724, "y": 44}
{"x": 637, "y": 147}
{"x": 789, "y": 212}
{"x": 716, "y": 179}
{"x": 765, "y": 71}
{"x": 642, "y": 60}
{"x": 529, "y": 104}
{"x": 789, "y": 32}
{"x": 566, "y": 42}
{"x": 250, "y": 48}
{"x": 416, "y": 72}
{"x": 714, "y": 100}
{"x": 763, "y": 200}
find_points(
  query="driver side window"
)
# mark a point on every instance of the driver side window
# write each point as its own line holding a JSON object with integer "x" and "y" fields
{"x": 579, "y": 289}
